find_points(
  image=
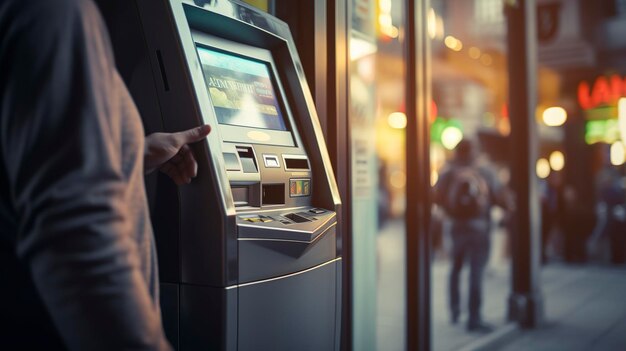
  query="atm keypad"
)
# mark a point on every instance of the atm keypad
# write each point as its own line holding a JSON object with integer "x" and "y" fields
{"x": 296, "y": 218}
{"x": 286, "y": 218}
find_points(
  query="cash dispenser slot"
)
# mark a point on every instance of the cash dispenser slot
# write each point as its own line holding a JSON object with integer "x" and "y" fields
{"x": 241, "y": 195}
{"x": 246, "y": 195}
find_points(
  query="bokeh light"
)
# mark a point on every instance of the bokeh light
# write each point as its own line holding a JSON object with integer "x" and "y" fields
{"x": 453, "y": 43}
{"x": 543, "y": 168}
{"x": 434, "y": 177}
{"x": 554, "y": 116}
{"x": 432, "y": 23}
{"x": 451, "y": 136}
{"x": 486, "y": 59}
{"x": 618, "y": 156}
{"x": 397, "y": 120}
{"x": 398, "y": 179}
{"x": 474, "y": 52}
{"x": 557, "y": 160}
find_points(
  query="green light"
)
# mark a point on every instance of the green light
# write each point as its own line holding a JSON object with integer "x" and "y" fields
{"x": 602, "y": 131}
{"x": 440, "y": 124}
{"x": 436, "y": 129}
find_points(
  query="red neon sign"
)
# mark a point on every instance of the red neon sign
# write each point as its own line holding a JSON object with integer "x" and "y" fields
{"x": 605, "y": 91}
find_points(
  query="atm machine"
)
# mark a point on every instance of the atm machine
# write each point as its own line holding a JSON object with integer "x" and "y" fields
{"x": 249, "y": 251}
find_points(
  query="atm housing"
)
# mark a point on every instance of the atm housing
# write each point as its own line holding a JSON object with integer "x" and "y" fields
{"x": 249, "y": 251}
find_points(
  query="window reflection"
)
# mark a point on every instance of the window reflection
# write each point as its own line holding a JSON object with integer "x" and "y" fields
{"x": 378, "y": 130}
{"x": 470, "y": 83}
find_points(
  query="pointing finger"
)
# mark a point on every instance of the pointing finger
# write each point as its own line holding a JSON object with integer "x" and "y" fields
{"x": 193, "y": 135}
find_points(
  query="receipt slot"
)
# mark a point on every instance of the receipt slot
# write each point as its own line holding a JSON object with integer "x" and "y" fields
{"x": 249, "y": 252}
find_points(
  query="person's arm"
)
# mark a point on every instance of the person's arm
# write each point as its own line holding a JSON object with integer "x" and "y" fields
{"x": 171, "y": 154}
{"x": 501, "y": 194}
{"x": 61, "y": 146}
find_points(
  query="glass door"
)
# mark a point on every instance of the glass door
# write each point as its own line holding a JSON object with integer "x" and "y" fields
{"x": 377, "y": 132}
{"x": 470, "y": 268}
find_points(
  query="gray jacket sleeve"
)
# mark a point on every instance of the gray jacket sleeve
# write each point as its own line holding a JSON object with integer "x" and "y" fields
{"x": 62, "y": 151}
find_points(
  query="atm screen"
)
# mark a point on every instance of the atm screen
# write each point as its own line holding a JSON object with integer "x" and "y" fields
{"x": 241, "y": 90}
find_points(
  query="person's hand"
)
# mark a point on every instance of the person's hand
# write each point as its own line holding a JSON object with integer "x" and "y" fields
{"x": 171, "y": 154}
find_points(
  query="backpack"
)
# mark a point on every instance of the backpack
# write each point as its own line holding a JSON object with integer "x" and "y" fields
{"x": 468, "y": 194}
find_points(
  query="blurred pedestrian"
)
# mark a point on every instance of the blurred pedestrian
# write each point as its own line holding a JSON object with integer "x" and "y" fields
{"x": 551, "y": 201}
{"x": 611, "y": 214}
{"x": 467, "y": 191}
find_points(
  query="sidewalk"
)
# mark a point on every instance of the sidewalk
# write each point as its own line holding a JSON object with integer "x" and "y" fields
{"x": 496, "y": 288}
{"x": 585, "y": 309}
{"x": 585, "y": 306}
{"x": 391, "y": 295}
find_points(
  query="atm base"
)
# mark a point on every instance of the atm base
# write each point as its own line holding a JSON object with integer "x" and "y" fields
{"x": 294, "y": 312}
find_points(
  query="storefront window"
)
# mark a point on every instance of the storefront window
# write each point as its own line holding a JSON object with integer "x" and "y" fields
{"x": 377, "y": 131}
{"x": 470, "y": 87}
